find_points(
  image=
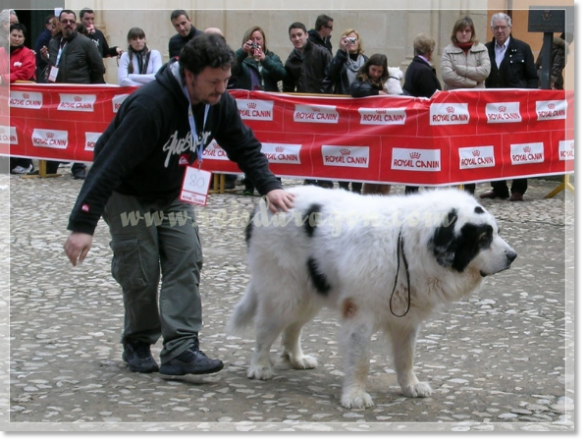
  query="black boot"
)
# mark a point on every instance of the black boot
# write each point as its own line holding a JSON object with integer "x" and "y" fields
{"x": 138, "y": 357}
{"x": 191, "y": 361}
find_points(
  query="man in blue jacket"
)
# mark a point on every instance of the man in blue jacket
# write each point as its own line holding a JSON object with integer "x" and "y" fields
{"x": 139, "y": 165}
{"x": 512, "y": 67}
{"x": 43, "y": 40}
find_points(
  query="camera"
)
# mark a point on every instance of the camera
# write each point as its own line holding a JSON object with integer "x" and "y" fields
{"x": 351, "y": 40}
{"x": 254, "y": 45}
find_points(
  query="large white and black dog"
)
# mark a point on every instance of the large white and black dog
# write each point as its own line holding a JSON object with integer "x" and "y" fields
{"x": 382, "y": 262}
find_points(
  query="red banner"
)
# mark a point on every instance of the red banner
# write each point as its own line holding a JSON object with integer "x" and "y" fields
{"x": 455, "y": 137}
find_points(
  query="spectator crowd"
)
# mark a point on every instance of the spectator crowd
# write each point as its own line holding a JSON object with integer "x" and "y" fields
{"x": 70, "y": 50}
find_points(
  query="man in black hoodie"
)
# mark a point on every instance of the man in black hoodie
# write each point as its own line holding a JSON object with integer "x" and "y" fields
{"x": 305, "y": 71}
{"x": 87, "y": 17}
{"x": 185, "y": 32}
{"x": 135, "y": 182}
{"x": 321, "y": 35}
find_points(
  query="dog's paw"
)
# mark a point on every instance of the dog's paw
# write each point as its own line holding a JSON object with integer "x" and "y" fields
{"x": 356, "y": 399}
{"x": 304, "y": 363}
{"x": 260, "y": 372}
{"x": 420, "y": 389}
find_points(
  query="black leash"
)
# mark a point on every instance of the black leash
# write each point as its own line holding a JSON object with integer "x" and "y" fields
{"x": 399, "y": 252}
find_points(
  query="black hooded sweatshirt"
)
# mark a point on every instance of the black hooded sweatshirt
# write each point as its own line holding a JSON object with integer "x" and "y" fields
{"x": 177, "y": 41}
{"x": 138, "y": 154}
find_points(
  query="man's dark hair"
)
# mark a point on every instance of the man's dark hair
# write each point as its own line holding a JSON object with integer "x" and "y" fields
{"x": 177, "y": 13}
{"x": 85, "y": 11}
{"x": 205, "y": 50}
{"x": 322, "y": 20}
{"x": 48, "y": 19}
{"x": 297, "y": 25}
{"x": 67, "y": 11}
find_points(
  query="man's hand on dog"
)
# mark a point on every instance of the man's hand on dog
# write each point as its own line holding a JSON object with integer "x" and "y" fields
{"x": 280, "y": 199}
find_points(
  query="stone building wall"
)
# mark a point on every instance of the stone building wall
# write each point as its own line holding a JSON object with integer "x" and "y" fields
{"x": 386, "y": 26}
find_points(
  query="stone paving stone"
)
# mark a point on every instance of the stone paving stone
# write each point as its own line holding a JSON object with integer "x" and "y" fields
{"x": 502, "y": 360}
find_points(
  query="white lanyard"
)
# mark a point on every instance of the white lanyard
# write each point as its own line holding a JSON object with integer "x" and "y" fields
{"x": 194, "y": 127}
{"x": 60, "y": 52}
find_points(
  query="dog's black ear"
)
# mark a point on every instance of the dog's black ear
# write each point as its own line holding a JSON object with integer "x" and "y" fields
{"x": 444, "y": 255}
{"x": 444, "y": 241}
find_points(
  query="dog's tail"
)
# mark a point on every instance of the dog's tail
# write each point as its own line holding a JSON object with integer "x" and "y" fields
{"x": 244, "y": 312}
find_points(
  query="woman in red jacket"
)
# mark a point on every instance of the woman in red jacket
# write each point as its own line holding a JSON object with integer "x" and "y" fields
{"x": 22, "y": 59}
{"x": 22, "y": 66}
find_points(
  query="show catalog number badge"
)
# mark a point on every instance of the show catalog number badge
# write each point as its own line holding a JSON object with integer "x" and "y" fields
{"x": 195, "y": 186}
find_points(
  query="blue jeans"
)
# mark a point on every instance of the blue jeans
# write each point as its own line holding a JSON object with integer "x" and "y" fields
{"x": 150, "y": 238}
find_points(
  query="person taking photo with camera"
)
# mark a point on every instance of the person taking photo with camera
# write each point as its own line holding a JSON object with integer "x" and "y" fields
{"x": 342, "y": 69}
{"x": 256, "y": 69}
{"x": 341, "y": 72}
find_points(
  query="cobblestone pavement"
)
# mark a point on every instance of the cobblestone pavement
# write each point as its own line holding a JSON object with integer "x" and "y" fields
{"x": 502, "y": 360}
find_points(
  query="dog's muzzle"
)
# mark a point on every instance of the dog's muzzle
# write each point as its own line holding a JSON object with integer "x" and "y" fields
{"x": 510, "y": 257}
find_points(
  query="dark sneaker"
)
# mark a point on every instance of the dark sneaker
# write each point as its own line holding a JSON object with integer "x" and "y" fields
{"x": 79, "y": 174}
{"x": 138, "y": 357}
{"x": 192, "y": 361}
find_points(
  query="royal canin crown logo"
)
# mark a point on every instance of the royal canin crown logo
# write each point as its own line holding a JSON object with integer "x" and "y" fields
{"x": 50, "y": 134}
{"x": 415, "y": 155}
{"x": 279, "y": 149}
{"x": 77, "y": 98}
{"x": 25, "y": 95}
{"x": 450, "y": 109}
{"x": 502, "y": 108}
{"x": 251, "y": 105}
{"x": 476, "y": 153}
{"x": 345, "y": 151}
{"x": 527, "y": 149}
{"x": 381, "y": 111}
{"x": 316, "y": 109}
{"x": 551, "y": 106}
